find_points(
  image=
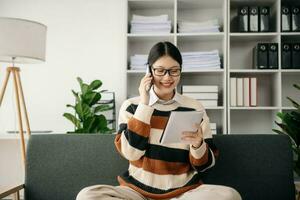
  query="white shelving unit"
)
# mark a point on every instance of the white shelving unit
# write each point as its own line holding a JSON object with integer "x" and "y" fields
{"x": 178, "y": 10}
{"x": 273, "y": 85}
{"x": 236, "y": 55}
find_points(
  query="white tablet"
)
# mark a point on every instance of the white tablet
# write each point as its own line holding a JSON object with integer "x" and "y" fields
{"x": 180, "y": 121}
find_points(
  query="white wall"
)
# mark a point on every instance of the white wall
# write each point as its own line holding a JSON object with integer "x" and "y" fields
{"x": 85, "y": 38}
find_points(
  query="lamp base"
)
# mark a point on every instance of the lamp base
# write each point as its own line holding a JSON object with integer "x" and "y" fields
{"x": 15, "y": 71}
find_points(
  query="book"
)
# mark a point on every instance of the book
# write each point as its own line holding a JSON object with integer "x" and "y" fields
{"x": 286, "y": 56}
{"x": 199, "y": 88}
{"x": 243, "y": 19}
{"x": 213, "y": 126}
{"x": 253, "y": 19}
{"x": 260, "y": 56}
{"x": 209, "y": 103}
{"x": 239, "y": 91}
{"x": 253, "y": 91}
{"x": 233, "y": 91}
{"x": 273, "y": 56}
{"x": 295, "y": 18}
{"x": 246, "y": 91}
{"x": 285, "y": 19}
{"x": 201, "y": 95}
{"x": 179, "y": 122}
{"x": 264, "y": 19}
{"x": 296, "y": 56}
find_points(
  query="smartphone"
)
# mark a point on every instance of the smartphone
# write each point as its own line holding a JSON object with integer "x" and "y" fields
{"x": 147, "y": 72}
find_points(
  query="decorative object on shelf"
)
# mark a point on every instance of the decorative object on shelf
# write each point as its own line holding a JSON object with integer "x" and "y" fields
{"x": 88, "y": 117}
{"x": 290, "y": 126}
{"x": 22, "y": 41}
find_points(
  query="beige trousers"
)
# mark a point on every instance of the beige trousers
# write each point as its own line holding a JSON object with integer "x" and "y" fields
{"x": 203, "y": 192}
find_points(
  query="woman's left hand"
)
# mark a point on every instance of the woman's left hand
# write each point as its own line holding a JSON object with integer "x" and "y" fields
{"x": 194, "y": 138}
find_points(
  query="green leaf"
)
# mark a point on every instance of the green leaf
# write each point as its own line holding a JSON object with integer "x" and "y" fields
{"x": 295, "y": 104}
{"x": 73, "y": 119}
{"x": 70, "y": 106}
{"x": 103, "y": 108}
{"x": 91, "y": 98}
{"x": 89, "y": 125}
{"x": 84, "y": 89}
{"x": 76, "y": 95}
{"x": 296, "y": 86}
{"x": 83, "y": 111}
{"x": 95, "y": 85}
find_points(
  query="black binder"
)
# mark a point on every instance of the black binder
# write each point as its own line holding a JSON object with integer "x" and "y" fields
{"x": 253, "y": 19}
{"x": 295, "y": 19}
{"x": 243, "y": 20}
{"x": 260, "y": 56}
{"x": 286, "y": 19}
{"x": 286, "y": 56}
{"x": 273, "y": 56}
{"x": 264, "y": 19}
{"x": 296, "y": 56}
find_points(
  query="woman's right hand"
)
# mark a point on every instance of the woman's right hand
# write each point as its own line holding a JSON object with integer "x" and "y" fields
{"x": 144, "y": 87}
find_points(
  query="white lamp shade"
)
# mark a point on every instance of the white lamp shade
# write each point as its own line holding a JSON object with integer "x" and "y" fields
{"x": 23, "y": 40}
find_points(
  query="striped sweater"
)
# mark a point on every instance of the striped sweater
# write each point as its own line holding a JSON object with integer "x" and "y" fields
{"x": 160, "y": 171}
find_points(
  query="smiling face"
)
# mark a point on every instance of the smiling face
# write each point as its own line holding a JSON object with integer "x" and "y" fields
{"x": 164, "y": 85}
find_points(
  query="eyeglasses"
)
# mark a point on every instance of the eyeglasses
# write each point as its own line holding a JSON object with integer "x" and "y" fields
{"x": 162, "y": 71}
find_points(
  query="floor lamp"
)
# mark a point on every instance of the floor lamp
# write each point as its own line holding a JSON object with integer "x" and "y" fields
{"x": 21, "y": 41}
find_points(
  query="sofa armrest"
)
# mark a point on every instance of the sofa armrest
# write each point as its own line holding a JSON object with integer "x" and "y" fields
{"x": 6, "y": 191}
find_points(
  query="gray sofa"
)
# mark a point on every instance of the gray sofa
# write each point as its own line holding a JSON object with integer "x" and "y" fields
{"x": 59, "y": 165}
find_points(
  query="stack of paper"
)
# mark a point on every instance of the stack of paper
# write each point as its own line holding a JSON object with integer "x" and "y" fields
{"x": 201, "y": 60}
{"x": 198, "y": 27}
{"x": 206, "y": 94}
{"x": 138, "y": 62}
{"x": 213, "y": 128}
{"x": 150, "y": 24}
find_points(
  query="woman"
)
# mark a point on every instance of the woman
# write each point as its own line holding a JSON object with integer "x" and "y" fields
{"x": 161, "y": 171}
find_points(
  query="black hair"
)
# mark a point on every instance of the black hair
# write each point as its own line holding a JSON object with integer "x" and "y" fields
{"x": 161, "y": 49}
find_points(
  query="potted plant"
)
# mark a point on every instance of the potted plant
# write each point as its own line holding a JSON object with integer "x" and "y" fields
{"x": 88, "y": 117}
{"x": 290, "y": 125}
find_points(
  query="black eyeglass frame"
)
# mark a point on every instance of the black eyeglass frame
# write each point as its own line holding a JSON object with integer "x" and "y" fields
{"x": 165, "y": 71}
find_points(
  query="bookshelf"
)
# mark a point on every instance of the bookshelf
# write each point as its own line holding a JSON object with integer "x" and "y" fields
{"x": 235, "y": 50}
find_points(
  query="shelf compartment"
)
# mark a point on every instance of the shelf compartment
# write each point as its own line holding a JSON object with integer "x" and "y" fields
{"x": 218, "y": 117}
{"x": 234, "y": 4}
{"x": 267, "y": 88}
{"x": 151, "y": 8}
{"x": 241, "y": 50}
{"x": 288, "y": 79}
{"x": 255, "y": 108}
{"x": 212, "y": 71}
{"x": 203, "y": 43}
{"x": 255, "y": 71}
{"x": 143, "y": 44}
{"x": 252, "y": 121}
{"x": 205, "y": 79}
{"x": 199, "y": 11}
